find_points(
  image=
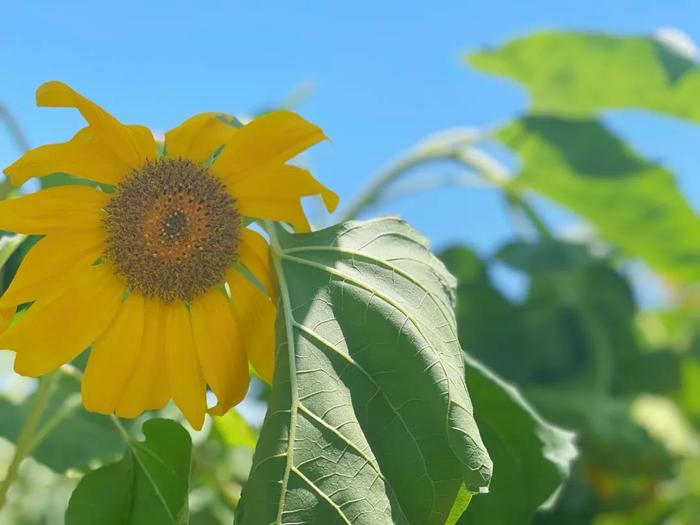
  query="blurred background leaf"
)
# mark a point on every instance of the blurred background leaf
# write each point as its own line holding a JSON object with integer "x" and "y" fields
{"x": 533, "y": 457}
{"x": 579, "y": 74}
{"x": 632, "y": 203}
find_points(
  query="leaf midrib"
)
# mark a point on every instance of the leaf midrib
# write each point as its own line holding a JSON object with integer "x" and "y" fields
{"x": 135, "y": 453}
{"x": 287, "y": 307}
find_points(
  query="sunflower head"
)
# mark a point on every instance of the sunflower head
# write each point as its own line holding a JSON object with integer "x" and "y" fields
{"x": 173, "y": 230}
{"x": 157, "y": 275}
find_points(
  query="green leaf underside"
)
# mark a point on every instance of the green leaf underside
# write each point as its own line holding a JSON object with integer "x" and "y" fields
{"x": 532, "y": 457}
{"x": 634, "y": 204}
{"x": 148, "y": 485}
{"x": 581, "y": 73}
{"x": 370, "y": 421}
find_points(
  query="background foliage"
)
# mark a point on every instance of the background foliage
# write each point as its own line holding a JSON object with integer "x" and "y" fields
{"x": 378, "y": 338}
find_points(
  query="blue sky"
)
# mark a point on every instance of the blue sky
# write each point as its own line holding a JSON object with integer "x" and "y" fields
{"x": 385, "y": 75}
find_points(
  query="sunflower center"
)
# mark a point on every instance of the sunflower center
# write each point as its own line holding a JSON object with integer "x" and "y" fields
{"x": 172, "y": 230}
{"x": 175, "y": 225}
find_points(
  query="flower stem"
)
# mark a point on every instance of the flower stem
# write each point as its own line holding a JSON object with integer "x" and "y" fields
{"x": 14, "y": 129}
{"x": 21, "y": 141}
{"x": 443, "y": 146}
{"x": 26, "y": 435}
{"x": 67, "y": 409}
{"x": 373, "y": 192}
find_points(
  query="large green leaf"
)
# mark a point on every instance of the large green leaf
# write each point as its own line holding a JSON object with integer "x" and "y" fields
{"x": 633, "y": 203}
{"x": 370, "y": 421}
{"x": 147, "y": 486}
{"x": 581, "y": 73}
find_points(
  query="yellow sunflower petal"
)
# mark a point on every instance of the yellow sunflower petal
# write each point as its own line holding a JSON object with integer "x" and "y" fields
{"x": 145, "y": 142}
{"x": 184, "y": 372}
{"x": 55, "y": 210}
{"x": 272, "y": 138}
{"x": 53, "y": 332}
{"x": 254, "y": 254}
{"x": 78, "y": 157}
{"x": 113, "y": 358}
{"x": 147, "y": 387}
{"x": 6, "y": 317}
{"x": 49, "y": 266}
{"x": 81, "y": 156}
{"x": 130, "y": 146}
{"x": 275, "y": 193}
{"x": 220, "y": 348}
{"x": 284, "y": 210}
{"x": 255, "y": 313}
{"x": 200, "y": 136}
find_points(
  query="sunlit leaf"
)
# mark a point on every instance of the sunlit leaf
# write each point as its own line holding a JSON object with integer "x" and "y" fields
{"x": 369, "y": 421}
{"x": 234, "y": 430}
{"x": 147, "y": 486}
{"x": 581, "y": 73}
{"x": 633, "y": 204}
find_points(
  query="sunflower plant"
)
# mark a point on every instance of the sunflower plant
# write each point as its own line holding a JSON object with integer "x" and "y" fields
{"x": 159, "y": 276}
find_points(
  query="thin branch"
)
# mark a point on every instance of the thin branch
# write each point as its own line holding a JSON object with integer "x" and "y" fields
{"x": 26, "y": 434}
{"x": 443, "y": 146}
{"x": 452, "y": 146}
{"x": 14, "y": 129}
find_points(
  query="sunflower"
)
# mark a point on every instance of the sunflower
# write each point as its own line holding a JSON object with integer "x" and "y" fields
{"x": 152, "y": 264}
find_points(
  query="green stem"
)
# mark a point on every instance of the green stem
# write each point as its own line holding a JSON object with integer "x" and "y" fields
{"x": 15, "y": 129}
{"x": 374, "y": 191}
{"x": 21, "y": 142}
{"x": 123, "y": 432}
{"x": 26, "y": 435}
{"x": 518, "y": 203}
{"x": 68, "y": 407}
{"x": 441, "y": 146}
{"x": 462, "y": 152}
{"x": 603, "y": 365}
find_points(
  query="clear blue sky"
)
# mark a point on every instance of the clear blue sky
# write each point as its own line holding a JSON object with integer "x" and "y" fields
{"x": 386, "y": 73}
